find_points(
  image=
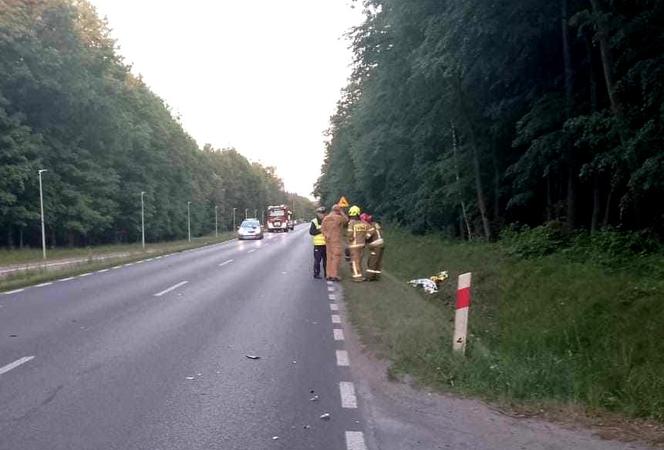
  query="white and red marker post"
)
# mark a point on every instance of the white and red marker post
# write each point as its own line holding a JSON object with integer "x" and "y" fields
{"x": 461, "y": 316}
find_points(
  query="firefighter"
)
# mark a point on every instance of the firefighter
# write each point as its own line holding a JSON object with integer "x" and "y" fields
{"x": 357, "y": 236}
{"x": 320, "y": 253}
{"x": 332, "y": 227}
{"x": 375, "y": 246}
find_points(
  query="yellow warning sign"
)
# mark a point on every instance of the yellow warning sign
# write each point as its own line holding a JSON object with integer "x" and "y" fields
{"x": 343, "y": 202}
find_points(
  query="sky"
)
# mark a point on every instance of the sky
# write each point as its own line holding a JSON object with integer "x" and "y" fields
{"x": 262, "y": 76}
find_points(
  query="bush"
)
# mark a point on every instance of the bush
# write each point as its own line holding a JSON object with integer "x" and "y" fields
{"x": 534, "y": 242}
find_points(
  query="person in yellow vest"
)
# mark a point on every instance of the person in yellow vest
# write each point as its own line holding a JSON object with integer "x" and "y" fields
{"x": 375, "y": 246}
{"x": 357, "y": 236}
{"x": 320, "y": 253}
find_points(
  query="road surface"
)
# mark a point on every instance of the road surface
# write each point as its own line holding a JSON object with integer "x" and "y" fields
{"x": 153, "y": 355}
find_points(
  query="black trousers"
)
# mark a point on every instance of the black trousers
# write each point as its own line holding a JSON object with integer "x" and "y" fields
{"x": 320, "y": 255}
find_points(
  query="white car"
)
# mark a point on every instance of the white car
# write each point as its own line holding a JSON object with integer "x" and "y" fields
{"x": 250, "y": 229}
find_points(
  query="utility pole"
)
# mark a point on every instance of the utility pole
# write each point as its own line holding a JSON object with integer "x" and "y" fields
{"x": 41, "y": 205}
{"x": 216, "y": 229}
{"x": 256, "y": 213}
{"x": 246, "y": 213}
{"x": 142, "y": 221}
{"x": 189, "y": 220}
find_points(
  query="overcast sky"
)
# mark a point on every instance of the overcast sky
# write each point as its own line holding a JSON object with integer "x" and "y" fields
{"x": 262, "y": 76}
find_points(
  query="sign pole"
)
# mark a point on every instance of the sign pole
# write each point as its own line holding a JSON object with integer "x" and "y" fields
{"x": 461, "y": 315}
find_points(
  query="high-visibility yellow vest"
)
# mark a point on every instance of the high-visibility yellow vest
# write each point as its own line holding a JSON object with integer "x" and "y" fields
{"x": 318, "y": 239}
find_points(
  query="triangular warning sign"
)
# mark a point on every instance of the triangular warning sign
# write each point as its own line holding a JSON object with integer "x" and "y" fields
{"x": 343, "y": 202}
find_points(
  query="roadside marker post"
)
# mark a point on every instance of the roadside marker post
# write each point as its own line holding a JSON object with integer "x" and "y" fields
{"x": 461, "y": 315}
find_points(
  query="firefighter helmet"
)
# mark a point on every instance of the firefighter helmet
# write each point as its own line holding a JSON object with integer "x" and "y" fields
{"x": 354, "y": 211}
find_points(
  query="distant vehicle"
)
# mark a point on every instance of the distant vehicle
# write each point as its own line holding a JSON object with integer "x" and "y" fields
{"x": 250, "y": 229}
{"x": 279, "y": 218}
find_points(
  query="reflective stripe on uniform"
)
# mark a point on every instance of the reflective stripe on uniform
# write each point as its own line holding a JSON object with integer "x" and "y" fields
{"x": 376, "y": 243}
{"x": 318, "y": 239}
{"x": 373, "y": 271}
{"x": 356, "y": 246}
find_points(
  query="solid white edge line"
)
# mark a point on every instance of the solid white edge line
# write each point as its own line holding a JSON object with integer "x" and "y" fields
{"x": 15, "y": 364}
{"x": 66, "y": 279}
{"x": 334, "y": 307}
{"x": 355, "y": 440}
{"x": 342, "y": 358}
{"x": 84, "y": 275}
{"x": 15, "y": 291}
{"x": 336, "y": 318}
{"x": 225, "y": 262}
{"x": 102, "y": 270}
{"x": 348, "y": 398}
{"x": 45, "y": 284}
{"x": 175, "y": 286}
{"x": 338, "y": 334}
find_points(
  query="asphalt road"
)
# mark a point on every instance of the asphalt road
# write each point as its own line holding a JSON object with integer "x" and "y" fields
{"x": 153, "y": 356}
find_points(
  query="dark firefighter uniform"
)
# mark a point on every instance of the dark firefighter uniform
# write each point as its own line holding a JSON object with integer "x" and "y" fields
{"x": 375, "y": 246}
{"x": 320, "y": 253}
{"x": 357, "y": 236}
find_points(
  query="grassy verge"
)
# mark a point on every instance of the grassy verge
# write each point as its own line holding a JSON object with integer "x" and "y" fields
{"x": 548, "y": 330}
{"x": 127, "y": 253}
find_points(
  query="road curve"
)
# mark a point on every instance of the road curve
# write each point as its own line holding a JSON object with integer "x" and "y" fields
{"x": 153, "y": 355}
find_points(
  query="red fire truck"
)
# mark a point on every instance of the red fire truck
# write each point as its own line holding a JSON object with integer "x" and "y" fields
{"x": 279, "y": 218}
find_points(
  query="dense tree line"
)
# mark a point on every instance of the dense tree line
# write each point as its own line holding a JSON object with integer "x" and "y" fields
{"x": 470, "y": 115}
{"x": 69, "y": 104}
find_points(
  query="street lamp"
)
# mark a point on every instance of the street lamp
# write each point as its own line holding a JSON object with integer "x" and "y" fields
{"x": 216, "y": 229}
{"x": 41, "y": 205}
{"x": 142, "y": 220}
{"x": 234, "y": 209}
{"x": 189, "y": 220}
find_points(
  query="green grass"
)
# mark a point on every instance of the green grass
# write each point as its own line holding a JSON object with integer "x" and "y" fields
{"x": 553, "y": 329}
{"x": 129, "y": 253}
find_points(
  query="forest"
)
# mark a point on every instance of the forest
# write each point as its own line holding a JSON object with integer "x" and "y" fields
{"x": 70, "y": 104}
{"x": 470, "y": 117}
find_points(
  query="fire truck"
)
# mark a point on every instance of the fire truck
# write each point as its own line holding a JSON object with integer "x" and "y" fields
{"x": 279, "y": 218}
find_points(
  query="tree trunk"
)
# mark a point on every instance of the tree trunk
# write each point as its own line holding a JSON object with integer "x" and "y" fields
{"x": 456, "y": 170}
{"x": 549, "y": 199}
{"x": 10, "y": 238}
{"x": 496, "y": 185}
{"x": 567, "y": 63}
{"x": 607, "y": 209}
{"x": 20, "y": 238}
{"x": 481, "y": 198}
{"x": 594, "y": 221}
{"x": 571, "y": 197}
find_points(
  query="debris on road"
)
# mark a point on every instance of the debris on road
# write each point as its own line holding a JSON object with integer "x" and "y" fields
{"x": 189, "y": 378}
{"x": 314, "y": 398}
{"x": 325, "y": 416}
{"x": 430, "y": 285}
{"x": 274, "y": 438}
{"x": 252, "y": 356}
{"x": 307, "y": 427}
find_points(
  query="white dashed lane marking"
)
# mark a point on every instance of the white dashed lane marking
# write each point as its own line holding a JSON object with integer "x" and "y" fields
{"x": 336, "y": 318}
{"x": 355, "y": 440}
{"x": 330, "y": 289}
{"x": 334, "y": 307}
{"x": 332, "y": 297}
{"x": 15, "y": 364}
{"x": 172, "y": 288}
{"x": 252, "y": 250}
{"x": 347, "y": 391}
{"x": 225, "y": 262}
{"x": 342, "y": 358}
{"x": 338, "y": 334}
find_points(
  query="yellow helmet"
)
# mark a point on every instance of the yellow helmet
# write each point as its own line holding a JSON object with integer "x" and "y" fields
{"x": 354, "y": 211}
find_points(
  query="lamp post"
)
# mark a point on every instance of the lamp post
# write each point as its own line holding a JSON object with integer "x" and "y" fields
{"x": 216, "y": 229}
{"x": 142, "y": 220}
{"x": 189, "y": 220}
{"x": 246, "y": 213}
{"x": 41, "y": 206}
{"x": 234, "y": 209}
